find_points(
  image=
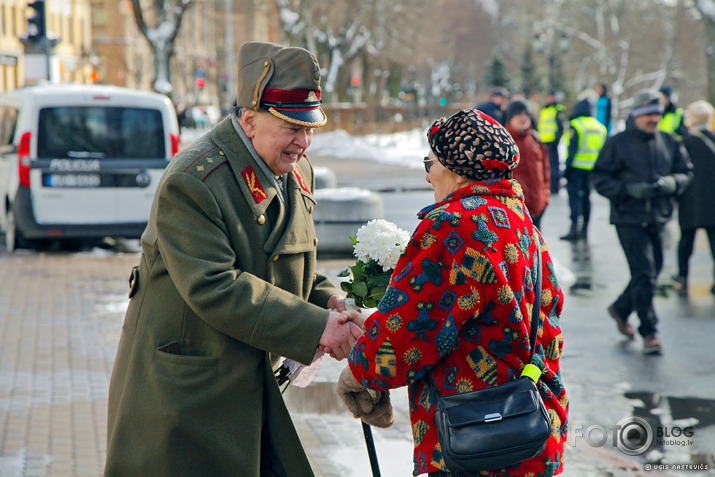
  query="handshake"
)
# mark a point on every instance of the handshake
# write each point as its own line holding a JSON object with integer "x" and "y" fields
{"x": 666, "y": 185}
{"x": 342, "y": 329}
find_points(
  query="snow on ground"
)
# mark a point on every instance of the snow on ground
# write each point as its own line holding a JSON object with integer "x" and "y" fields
{"x": 399, "y": 148}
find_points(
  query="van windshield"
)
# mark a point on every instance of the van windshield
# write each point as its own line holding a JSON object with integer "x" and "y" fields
{"x": 100, "y": 132}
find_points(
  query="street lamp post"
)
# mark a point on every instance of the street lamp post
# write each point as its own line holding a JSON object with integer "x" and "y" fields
{"x": 554, "y": 45}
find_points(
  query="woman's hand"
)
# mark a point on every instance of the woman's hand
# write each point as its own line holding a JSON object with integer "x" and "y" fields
{"x": 337, "y": 303}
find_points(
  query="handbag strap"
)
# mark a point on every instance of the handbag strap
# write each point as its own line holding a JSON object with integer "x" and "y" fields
{"x": 536, "y": 306}
{"x": 530, "y": 370}
{"x": 704, "y": 137}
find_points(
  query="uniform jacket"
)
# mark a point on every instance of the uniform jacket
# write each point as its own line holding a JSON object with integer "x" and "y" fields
{"x": 634, "y": 156}
{"x": 533, "y": 171}
{"x": 226, "y": 284}
{"x": 695, "y": 208}
{"x": 456, "y": 316}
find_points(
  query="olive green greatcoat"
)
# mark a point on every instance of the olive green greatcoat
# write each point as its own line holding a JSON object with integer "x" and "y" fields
{"x": 227, "y": 280}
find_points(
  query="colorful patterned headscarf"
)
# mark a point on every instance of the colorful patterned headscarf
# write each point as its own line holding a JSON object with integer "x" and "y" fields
{"x": 474, "y": 145}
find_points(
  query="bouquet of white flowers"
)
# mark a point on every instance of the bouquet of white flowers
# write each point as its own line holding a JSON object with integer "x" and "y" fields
{"x": 378, "y": 246}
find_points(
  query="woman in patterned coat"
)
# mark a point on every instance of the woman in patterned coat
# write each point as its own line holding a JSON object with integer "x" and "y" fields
{"x": 457, "y": 312}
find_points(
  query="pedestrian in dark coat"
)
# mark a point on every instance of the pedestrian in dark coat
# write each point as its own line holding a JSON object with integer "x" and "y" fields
{"x": 695, "y": 207}
{"x": 641, "y": 170}
{"x": 225, "y": 286}
{"x": 533, "y": 171}
{"x": 495, "y": 106}
{"x": 585, "y": 140}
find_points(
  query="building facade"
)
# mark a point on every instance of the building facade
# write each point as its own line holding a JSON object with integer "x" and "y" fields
{"x": 69, "y": 28}
{"x": 99, "y": 41}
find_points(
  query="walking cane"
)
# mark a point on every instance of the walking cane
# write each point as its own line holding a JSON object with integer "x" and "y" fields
{"x": 371, "y": 452}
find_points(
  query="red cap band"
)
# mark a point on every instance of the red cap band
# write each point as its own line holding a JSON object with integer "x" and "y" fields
{"x": 273, "y": 95}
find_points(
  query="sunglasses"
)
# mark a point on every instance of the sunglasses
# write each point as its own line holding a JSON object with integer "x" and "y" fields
{"x": 428, "y": 163}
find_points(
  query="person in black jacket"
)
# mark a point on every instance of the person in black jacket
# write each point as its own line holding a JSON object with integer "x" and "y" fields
{"x": 495, "y": 106}
{"x": 641, "y": 170}
{"x": 695, "y": 206}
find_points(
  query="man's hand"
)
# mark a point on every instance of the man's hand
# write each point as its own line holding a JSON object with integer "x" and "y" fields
{"x": 340, "y": 335}
{"x": 667, "y": 185}
{"x": 337, "y": 303}
{"x": 642, "y": 190}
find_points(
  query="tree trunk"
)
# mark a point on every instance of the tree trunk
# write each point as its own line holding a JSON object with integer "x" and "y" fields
{"x": 710, "y": 57}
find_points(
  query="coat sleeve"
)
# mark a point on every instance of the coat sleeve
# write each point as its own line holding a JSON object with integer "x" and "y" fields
{"x": 194, "y": 244}
{"x": 604, "y": 174}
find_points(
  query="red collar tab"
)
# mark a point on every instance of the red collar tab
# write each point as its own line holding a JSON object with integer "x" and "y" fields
{"x": 249, "y": 175}
{"x": 290, "y": 98}
{"x": 301, "y": 181}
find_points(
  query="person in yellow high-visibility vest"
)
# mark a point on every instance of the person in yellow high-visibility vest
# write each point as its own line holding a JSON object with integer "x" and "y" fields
{"x": 586, "y": 139}
{"x": 551, "y": 128}
{"x": 672, "y": 120}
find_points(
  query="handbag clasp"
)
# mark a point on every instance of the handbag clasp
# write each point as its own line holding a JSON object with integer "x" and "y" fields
{"x": 492, "y": 417}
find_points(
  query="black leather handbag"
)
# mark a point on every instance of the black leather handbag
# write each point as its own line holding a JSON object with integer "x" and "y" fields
{"x": 499, "y": 426}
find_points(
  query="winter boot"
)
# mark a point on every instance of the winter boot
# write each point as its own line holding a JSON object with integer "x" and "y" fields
{"x": 583, "y": 234}
{"x": 573, "y": 234}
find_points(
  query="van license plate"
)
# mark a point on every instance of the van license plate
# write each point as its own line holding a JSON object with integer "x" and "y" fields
{"x": 72, "y": 180}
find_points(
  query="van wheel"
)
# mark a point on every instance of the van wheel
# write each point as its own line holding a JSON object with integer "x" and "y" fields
{"x": 13, "y": 237}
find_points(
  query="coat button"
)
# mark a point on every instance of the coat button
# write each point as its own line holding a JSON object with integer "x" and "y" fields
{"x": 310, "y": 209}
{"x": 222, "y": 153}
{"x": 315, "y": 242}
{"x": 275, "y": 259}
{"x": 261, "y": 219}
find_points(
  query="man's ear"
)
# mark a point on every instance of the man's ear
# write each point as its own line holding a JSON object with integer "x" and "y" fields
{"x": 248, "y": 122}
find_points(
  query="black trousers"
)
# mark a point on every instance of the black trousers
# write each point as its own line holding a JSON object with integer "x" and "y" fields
{"x": 579, "y": 190}
{"x": 643, "y": 248}
{"x": 685, "y": 248}
{"x": 553, "y": 149}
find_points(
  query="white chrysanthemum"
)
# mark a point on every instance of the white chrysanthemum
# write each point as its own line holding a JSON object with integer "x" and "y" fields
{"x": 381, "y": 241}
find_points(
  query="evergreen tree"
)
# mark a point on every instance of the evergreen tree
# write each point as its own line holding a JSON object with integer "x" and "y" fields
{"x": 497, "y": 74}
{"x": 530, "y": 79}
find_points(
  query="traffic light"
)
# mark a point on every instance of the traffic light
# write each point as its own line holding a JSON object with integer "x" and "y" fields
{"x": 36, "y": 24}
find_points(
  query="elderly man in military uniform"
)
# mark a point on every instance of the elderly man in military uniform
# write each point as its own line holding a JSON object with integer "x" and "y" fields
{"x": 226, "y": 285}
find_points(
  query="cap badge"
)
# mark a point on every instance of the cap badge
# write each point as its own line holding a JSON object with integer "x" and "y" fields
{"x": 312, "y": 96}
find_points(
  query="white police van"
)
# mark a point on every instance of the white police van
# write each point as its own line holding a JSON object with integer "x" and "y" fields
{"x": 81, "y": 161}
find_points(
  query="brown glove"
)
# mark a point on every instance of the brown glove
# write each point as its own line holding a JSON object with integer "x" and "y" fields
{"x": 374, "y": 409}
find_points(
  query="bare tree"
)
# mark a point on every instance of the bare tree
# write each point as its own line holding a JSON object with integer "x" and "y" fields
{"x": 443, "y": 46}
{"x": 706, "y": 8}
{"x": 167, "y": 15}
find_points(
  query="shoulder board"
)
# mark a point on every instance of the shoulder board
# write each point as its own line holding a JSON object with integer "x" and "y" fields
{"x": 206, "y": 163}
{"x": 254, "y": 185}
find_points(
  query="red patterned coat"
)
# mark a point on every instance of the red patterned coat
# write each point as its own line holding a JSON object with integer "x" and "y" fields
{"x": 457, "y": 314}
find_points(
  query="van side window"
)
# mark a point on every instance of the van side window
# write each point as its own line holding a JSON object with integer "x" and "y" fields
{"x": 100, "y": 133}
{"x": 8, "y": 122}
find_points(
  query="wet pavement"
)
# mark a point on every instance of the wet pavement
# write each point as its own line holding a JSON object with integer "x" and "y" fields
{"x": 61, "y": 315}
